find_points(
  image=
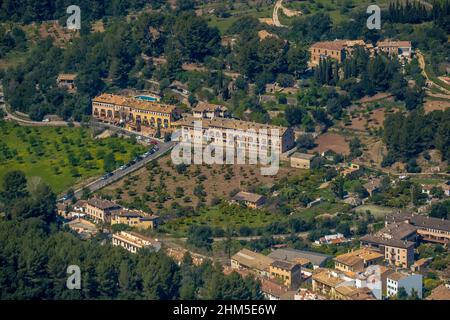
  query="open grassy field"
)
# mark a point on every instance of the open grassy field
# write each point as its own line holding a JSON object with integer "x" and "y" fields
{"x": 377, "y": 211}
{"x": 61, "y": 157}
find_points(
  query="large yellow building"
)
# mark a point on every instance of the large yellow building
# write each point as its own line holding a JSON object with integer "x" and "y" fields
{"x": 133, "y": 112}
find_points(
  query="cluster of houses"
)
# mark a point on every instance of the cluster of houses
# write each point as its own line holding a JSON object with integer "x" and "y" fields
{"x": 383, "y": 264}
{"x": 340, "y": 49}
{"x": 85, "y": 216}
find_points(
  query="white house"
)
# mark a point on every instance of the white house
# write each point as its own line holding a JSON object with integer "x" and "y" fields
{"x": 409, "y": 282}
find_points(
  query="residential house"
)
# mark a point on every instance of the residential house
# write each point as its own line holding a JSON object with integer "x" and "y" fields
{"x": 305, "y": 294}
{"x": 325, "y": 282}
{"x": 135, "y": 218}
{"x": 396, "y": 241}
{"x": 304, "y": 258}
{"x": 254, "y": 262}
{"x": 250, "y": 200}
{"x": 205, "y": 110}
{"x": 327, "y": 50}
{"x": 101, "y": 210}
{"x": 288, "y": 273}
{"x": 349, "y": 169}
{"x": 409, "y": 282}
{"x": 337, "y": 238}
{"x": 398, "y": 48}
{"x": 373, "y": 186}
{"x": 301, "y": 160}
{"x": 428, "y": 228}
{"x": 66, "y": 80}
{"x": 353, "y": 293}
{"x": 133, "y": 241}
{"x": 357, "y": 260}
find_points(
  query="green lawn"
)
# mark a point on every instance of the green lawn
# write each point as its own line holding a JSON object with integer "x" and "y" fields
{"x": 61, "y": 157}
{"x": 377, "y": 211}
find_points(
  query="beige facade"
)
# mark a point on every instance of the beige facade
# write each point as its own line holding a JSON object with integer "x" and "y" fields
{"x": 133, "y": 112}
{"x": 137, "y": 219}
{"x": 301, "y": 160}
{"x": 358, "y": 260}
{"x": 133, "y": 242}
{"x": 250, "y": 200}
{"x": 253, "y": 262}
{"x": 327, "y": 49}
{"x": 101, "y": 210}
{"x": 288, "y": 273}
{"x": 399, "y": 256}
{"x": 237, "y": 133}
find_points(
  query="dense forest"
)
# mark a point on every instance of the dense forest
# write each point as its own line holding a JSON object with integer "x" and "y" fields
{"x": 36, "y": 250}
{"x": 407, "y": 136}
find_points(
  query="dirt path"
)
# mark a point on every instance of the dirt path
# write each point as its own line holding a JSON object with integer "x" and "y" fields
{"x": 421, "y": 59}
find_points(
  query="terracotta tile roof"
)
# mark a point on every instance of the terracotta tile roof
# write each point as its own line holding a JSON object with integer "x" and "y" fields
{"x": 228, "y": 123}
{"x": 304, "y": 156}
{"x": 102, "y": 204}
{"x": 133, "y": 103}
{"x": 330, "y": 45}
{"x": 420, "y": 221}
{"x": 391, "y": 43}
{"x": 354, "y": 293}
{"x": 67, "y": 76}
{"x": 208, "y": 107}
{"x": 252, "y": 260}
{"x": 247, "y": 196}
{"x": 325, "y": 277}
{"x": 357, "y": 256}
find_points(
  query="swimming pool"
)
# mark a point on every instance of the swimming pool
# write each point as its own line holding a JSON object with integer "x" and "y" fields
{"x": 147, "y": 98}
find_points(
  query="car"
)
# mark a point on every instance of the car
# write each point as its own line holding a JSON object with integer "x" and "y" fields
{"x": 122, "y": 167}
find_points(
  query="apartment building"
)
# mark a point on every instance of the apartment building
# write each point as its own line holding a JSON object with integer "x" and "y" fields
{"x": 250, "y": 200}
{"x": 133, "y": 113}
{"x": 232, "y": 132}
{"x": 253, "y": 262}
{"x": 286, "y": 272}
{"x": 133, "y": 241}
{"x": 357, "y": 260}
{"x": 396, "y": 241}
{"x": 409, "y": 282}
{"x": 135, "y": 218}
{"x": 101, "y": 210}
{"x": 428, "y": 228}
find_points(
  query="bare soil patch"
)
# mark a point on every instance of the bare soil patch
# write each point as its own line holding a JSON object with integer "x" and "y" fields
{"x": 332, "y": 141}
